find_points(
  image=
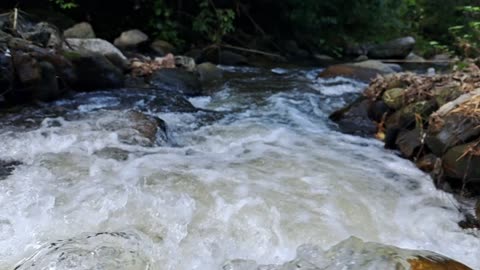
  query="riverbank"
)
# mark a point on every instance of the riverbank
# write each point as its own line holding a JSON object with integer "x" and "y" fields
{"x": 430, "y": 119}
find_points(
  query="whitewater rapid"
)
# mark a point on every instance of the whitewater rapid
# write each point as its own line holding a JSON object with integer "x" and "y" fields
{"x": 270, "y": 175}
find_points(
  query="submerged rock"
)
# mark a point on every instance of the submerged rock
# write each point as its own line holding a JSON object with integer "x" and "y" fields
{"x": 177, "y": 80}
{"x": 103, "y": 250}
{"x": 356, "y": 254}
{"x": 354, "y": 119}
{"x": 7, "y": 167}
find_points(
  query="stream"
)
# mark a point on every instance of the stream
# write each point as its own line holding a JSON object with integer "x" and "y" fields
{"x": 257, "y": 178}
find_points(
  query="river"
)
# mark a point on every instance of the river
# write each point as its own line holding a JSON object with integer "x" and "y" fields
{"x": 264, "y": 175}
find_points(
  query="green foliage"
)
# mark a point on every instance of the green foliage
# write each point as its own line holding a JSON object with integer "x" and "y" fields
{"x": 467, "y": 35}
{"x": 163, "y": 24}
{"x": 65, "y": 4}
{"x": 212, "y": 22}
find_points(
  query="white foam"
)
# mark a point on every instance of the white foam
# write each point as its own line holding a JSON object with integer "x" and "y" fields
{"x": 253, "y": 186}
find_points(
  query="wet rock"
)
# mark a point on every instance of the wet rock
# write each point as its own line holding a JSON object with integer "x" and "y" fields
{"x": 130, "y": 39}
{"x": 463, "y": 162}
{"x": 95, "y": 72}
{"x": 92, "y": 45}
{"x": 209, "y": 72}
{"x": 7, "y": 167}
{"x": 170, "y": 101}
{"x": 409, "y": 142}
{"x": 363, "y": 71}
{"x": 354, "y": 119}
{"x": 436, "y": 263}
{"x": 101, "y": 250}
{"x": 147, "y": 126}
{"x": 80, "y": 30}
{"x": 354, "y": 253}
{"x": 162, "y": 47}
{"x": 177, "y": 80}
{"x": 112, "y": 153}
{"x": 394, "y": 49}
{"x": 427, "y": 162}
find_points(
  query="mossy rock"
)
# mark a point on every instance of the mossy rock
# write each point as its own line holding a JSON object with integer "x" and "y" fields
{"x": 394, "y": 98}
{"x": 458, "y": 164}
{"x": 446, "y": 94}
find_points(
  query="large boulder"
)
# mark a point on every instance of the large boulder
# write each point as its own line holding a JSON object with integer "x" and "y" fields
{"x": 130, "y": 39}
{"x": 80, "y": 30}
{"x": 395, "y": 49}
{"x": 95, "y": 45}
{"x": 37, "y": 80}
{"x": 177, "y": 80}
{"x": 45, "y": 35}
{"x": 95, "y": 71}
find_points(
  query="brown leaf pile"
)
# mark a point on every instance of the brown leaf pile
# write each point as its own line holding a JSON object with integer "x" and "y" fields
{"x": 420, "y": 87}
{"x": 141, "y": 68}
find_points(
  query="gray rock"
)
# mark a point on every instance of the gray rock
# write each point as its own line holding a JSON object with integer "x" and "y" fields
{"x": 80, "y": 30}
{"x": 130, "y": 39}
{"x": 26, "y": 67}
{"x": 162, "y": 47}
{"x": 378, "y": 65}
{"x": 209, "y": 72}
{"x": 95, "y": 45}
{"x": 414, "y": 57}
{"x": 177, "y": 80}
{"x": 185, "y": 62}
{"x": 394, "y": 49}
{"x": 95, "y": 71}
{"x": 45, "y": 35}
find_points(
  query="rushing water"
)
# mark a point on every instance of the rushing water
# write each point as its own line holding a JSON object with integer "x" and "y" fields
{"x": 244, "y": 187}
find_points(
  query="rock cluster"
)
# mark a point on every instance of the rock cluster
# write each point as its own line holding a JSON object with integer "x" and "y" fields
{"x": 432, "y": 120}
